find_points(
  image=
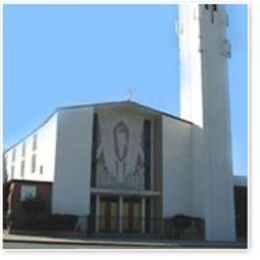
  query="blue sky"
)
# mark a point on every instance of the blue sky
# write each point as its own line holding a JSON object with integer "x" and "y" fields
{"x": 58, "y": 55}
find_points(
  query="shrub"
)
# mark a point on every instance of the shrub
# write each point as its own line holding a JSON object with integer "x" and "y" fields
{"x": 61, "y": 222}
{"x": 180, "y": 223}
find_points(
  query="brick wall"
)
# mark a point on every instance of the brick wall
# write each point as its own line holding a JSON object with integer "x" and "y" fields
{"x": 43, "y": 189}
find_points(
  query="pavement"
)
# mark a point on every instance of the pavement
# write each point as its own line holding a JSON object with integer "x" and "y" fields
{"x": 118, "y": 242}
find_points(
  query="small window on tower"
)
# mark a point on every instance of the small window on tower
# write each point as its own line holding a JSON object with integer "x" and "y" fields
{"x": 207, "y": 7}
{"x": 215, "y": 8}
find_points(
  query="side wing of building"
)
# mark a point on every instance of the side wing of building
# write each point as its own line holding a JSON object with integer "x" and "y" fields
{"x": 30, "y": 165}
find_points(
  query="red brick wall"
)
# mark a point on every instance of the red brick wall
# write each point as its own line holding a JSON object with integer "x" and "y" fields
{"x": 43, "y": 189}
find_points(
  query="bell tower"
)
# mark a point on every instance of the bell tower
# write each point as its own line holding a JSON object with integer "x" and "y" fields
{"x": 204, "y": 53}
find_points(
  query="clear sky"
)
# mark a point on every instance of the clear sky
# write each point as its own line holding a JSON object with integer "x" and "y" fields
{"x": 58, "y": 55}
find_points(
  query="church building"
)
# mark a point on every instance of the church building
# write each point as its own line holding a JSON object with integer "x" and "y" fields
{"x": 123, "y": 166}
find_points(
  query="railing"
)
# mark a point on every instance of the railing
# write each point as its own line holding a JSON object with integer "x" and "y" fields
{"x": 115, "y": 226}
{"x": 153, "y": 227}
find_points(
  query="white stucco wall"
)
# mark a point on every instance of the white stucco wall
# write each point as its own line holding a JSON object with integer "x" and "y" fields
{"x": 71, "y": 188}
{"x": 176, "y": 167}
{"x": 219, "y": 202}
{"x": 45, "y": 154}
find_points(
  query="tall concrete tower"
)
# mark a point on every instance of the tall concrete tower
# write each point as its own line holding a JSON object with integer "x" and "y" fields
{"x": 204, "y": 50}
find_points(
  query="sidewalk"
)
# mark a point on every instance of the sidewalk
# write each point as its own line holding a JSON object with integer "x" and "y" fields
{"x": 123, "y": 242}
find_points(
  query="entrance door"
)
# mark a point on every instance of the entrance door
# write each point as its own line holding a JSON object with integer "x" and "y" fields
{"x": 132, "y": 215}
{"x": 108, "y": 214}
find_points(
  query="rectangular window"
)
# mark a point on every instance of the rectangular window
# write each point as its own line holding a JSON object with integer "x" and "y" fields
{"x": 23, "y": 149}
{"x": 33, "y": 163}
{"x": 27, "y": 192}
{"x": 95, "y": 131}
{"x": 12, "y": 172}
{"x": 41, "y": 169}
{"x": 34, "y": 142}
{"x": 22, "y": 168}
{"x": 147, "y": 153}
{"x": 13, "y": 155}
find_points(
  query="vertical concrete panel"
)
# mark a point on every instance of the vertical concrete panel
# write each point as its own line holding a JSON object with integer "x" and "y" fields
{"x": 176, "y": 167}
{"x": 71, "y": 188}
{"x": 45, "y": 152}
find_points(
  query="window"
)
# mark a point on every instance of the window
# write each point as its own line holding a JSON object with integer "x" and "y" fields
{"x": 33, "y": 162}
{"x": 41, "y": 169}
{"x": 12, "y": 172}
{"x": 215, "y": 8}
{"x": 207, "y": 7}
{"x": 34, "y": 142}
{"x": 23, "y": 149}
{"x": 22, "y": 168}
{"x": 27, "y": 191}
{"x": 13, "y": 155}
{"x": 147, "y": 133}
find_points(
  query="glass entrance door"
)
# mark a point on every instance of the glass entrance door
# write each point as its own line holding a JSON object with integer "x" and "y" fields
{"x": 108, "y": 214}
{"x": 132, "y": 215}
{"x": 105, "y": 212}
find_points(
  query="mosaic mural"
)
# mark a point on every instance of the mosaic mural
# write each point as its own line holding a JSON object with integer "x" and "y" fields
{"x": 120, "y": 151}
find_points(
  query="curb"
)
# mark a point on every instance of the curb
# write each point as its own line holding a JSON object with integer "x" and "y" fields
{"x": 97, "y": 243}
{"x": 132, "y": 244}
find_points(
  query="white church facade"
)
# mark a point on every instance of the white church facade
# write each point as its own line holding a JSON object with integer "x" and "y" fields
{"x": 122, "y": 166}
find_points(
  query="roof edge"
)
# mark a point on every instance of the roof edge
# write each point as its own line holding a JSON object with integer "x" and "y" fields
{"x": 32, "y": 132}
{"x": 116, "y": 103}
{"x": 103, "y": 104}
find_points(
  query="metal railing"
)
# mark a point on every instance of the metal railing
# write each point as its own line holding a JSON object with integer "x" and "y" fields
{"x": 115, "y": 226}
{"x": 152, "y": 227}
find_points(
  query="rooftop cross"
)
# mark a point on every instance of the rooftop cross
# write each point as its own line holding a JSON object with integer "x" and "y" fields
{"x": 129, "y": 94}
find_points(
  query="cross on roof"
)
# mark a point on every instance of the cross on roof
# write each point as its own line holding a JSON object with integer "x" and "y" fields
{"x": 129, "y": 94}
